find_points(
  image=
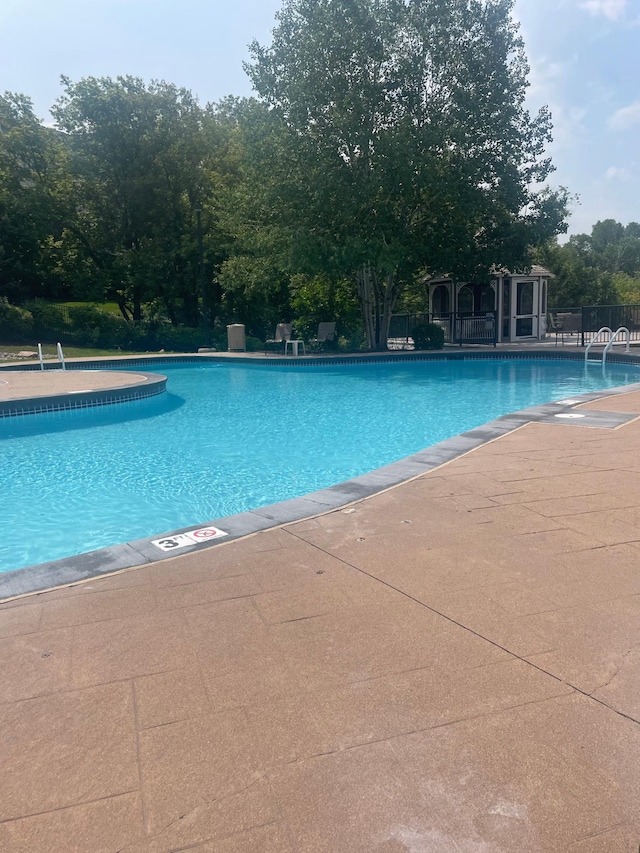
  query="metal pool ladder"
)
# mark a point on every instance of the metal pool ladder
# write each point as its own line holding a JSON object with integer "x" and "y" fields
{"x": 60, "y": 357}
{"x": 613, "y": 337}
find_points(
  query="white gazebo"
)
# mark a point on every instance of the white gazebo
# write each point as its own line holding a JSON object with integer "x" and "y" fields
{"x": 516, "y": 301}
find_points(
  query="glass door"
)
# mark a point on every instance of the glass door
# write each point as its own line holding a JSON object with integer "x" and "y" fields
{"x": 524, "y": 316}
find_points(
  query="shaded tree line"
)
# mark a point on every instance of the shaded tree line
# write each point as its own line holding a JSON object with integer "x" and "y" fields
{"x": 388, "y": 141}
{"x": 103, "y": 206}
{"x": 600, "y": 268}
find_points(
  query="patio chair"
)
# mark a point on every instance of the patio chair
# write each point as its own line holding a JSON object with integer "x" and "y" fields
{"x": 281, "y": 336}
{"x": 634, "y": 319}
{"x": 326, "y": 334}
{"x": 571, "y": 325}
{"x": 554, "y": 323}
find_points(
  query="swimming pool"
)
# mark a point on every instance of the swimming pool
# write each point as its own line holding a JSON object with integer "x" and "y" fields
{"x": 232, "y": 437}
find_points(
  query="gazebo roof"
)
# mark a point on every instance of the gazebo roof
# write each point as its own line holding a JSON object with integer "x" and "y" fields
{"x": 536, "y": 270}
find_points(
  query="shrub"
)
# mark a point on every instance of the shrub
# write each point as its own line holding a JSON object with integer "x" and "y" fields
{"x": 254, "y": 344}
{"x": 175, "y": 338}
{"x": 91, "y": 326}
{"x": 355, "y": 343}
{"x": 98, "y": 328}
{"x": 16, "y": 324}
{"x": 219, "y": 338}
{"x": 427, "y": 336}
{"x": 48, "y": 320}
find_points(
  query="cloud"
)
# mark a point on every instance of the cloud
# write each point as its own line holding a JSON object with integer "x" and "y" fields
{"x": 614, "y": 173}
{"x": 625, "y": 117}
{"x": 545, "y": 78}
{"x": 612, "y": 9}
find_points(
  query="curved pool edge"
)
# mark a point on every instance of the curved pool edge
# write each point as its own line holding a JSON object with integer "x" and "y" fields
{"x": 68, "y": 571}
{"x": 453, "y": 353}
{"x": 61, "y": 400}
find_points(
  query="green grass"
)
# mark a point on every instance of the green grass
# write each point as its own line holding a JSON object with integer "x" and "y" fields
{"x": 8, "y": 352}
{"x": 109, "y": 307}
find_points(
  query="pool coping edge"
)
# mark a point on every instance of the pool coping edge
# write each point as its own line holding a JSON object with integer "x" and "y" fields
{"x": 112, "y": 559}
{"x": 151, "y": 385}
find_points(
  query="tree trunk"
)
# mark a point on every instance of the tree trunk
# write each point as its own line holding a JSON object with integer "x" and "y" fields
{"x": 124, "y": 310}
{"x": 170, "y": 306}
{"x": 216, "y": 301}
{"x": 137, "y": 303}
{"x": 364, "y": 283}
{"x": 391, "y": 290}
{"x": 377, "y": 301}
{"x": 377, "y": 298}
{"x": 190, "y": 301}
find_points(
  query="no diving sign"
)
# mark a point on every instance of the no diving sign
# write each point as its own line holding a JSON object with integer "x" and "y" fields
{"x": 205, "y": 534}
{"x": 183, "y": 540}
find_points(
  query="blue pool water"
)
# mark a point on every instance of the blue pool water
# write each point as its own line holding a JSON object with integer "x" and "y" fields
{"x": 228, "y": 438}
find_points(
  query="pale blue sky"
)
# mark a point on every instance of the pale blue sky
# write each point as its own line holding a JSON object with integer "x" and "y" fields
{"x": 584, "y": 57}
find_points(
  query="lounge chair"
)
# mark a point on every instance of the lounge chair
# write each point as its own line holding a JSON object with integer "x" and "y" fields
{"x": 282, "y": 335}
{"x": 571, "y": 325}
{"x": 634, "y": 319}
{"x": 326, "y": 334}
{"x": 554, "y": 323}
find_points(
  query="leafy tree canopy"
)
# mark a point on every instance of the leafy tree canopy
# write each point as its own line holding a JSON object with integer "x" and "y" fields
{"x": 145, "y": 157}
{"x": 601, "y": 268}
{"x": 401, "y": 144}
{"x": 35, "y": 199}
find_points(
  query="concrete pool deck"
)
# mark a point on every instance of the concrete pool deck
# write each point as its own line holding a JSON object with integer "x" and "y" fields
{"x": 30, "y": 391}
{"x": 450, "y": 665}
{"x": 22, "y": 384}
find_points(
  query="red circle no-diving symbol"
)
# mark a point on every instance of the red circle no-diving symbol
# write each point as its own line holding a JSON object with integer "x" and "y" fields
{"x": 205, "y": 533}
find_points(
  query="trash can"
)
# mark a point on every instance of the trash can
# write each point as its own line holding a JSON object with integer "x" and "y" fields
{"x": 236, "y": 341}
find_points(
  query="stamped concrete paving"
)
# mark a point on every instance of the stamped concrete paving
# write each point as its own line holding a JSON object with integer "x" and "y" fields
{"x": 23, "y": 384}
{"x": 453, "y": 665}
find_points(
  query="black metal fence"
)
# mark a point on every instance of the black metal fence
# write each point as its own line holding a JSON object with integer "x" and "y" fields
{"x": 459, "y": 328}
{"x": 589, "y": 319}
{"x": 594, "y": 317}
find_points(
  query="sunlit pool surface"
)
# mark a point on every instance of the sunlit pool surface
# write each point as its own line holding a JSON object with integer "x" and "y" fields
{"x": 232, "y": 437}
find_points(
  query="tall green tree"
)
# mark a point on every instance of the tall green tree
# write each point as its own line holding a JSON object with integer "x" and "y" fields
{"x": 145, "y": 158}
{"x": 577, "y": 281}
{"x": 255, "y": 280}
{"x": 600, "y": 268}
{"x": 35, "y": 201}
{"x": 402, "y": 143}
{"x": 615, "y": 247}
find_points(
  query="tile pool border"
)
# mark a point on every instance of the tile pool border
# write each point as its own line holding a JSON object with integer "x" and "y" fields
{"x": 104, "y": 561}
{"x": 452, "y": 354}
{"x": 152, "y": 385}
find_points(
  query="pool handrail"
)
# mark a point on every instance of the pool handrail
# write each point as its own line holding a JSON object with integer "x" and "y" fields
{"x": 596, "y": 340}
{"x": 61, "y": 356}
{"x": 612, "y": 341}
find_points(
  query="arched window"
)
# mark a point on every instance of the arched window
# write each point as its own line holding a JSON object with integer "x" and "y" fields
{"x": 487, "y": 299}
{"x": 440, "y": 300}
{"x": 465, "y": 300}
